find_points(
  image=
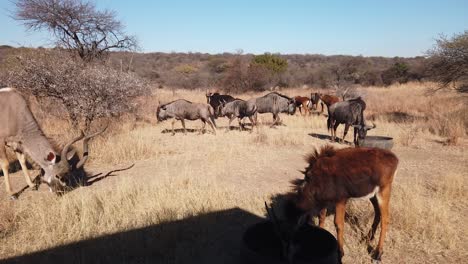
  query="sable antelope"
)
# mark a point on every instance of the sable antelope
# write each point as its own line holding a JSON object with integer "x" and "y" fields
{"x": 302, "y": 103}
{"x": 215, "y": 100}
{"x": 20, "y": 131}
{"x": 324, "y": 99}
{"x": 240, "y": 109}
{"x": 275, "y": 103}
{"x": 350, "y": 113}
{"x": 182, "y": 109}
{"x": 334, "y": 176}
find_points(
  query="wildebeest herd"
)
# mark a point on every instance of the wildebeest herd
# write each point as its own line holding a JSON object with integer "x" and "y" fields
{"x": 332, "y": 177}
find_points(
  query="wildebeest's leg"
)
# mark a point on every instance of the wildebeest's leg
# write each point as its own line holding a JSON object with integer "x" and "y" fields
{"x": 322, "y": 216}
{"x": 335, "y": 126}
{"x": 339, "y": 223}
{"x": 5, "y": 165}
{"x": 274, "y": 120}
{"x": 253, "y": 124}
{"x": 22, "y": 160}
{"x": 375, "y": 223}
{"x": 172, "y": 125}
{"x": 346, "y": 128}
{"x": 383, "y": 199}
{"x": 240, "y": 123}
{"x": 231, "y": 118}
{"x": 203, "y": 127}
{"x": 183, "y": 125}
{"x": 213, "y": 126}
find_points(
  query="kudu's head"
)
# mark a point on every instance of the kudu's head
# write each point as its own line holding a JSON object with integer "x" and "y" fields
{"x": 63, "y": 169}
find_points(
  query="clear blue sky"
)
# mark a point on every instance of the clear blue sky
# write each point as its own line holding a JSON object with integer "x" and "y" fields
{"x": 369, "y": 28}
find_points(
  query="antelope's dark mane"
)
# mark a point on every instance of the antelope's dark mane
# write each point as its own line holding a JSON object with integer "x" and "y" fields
{"x": 312, "y": 158}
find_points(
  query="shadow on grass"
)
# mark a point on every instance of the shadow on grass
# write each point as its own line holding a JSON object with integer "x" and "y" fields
{"x": 213, "y": 237}
{"x": 327, "y": 137}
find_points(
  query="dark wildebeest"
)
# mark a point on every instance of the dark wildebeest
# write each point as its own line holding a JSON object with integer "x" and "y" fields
{"x": 333, "y": 176}
{"x": 182, "y": 109}
{"x": 275, "y": 103}
{"x": 215, "y": 100}
{"x": 350, "y": 113}
{"x": 239, "y": 109}
{"x": 324, "y": 99}
{"x": 302, "y": 102}
{"x": 20, "y": 131}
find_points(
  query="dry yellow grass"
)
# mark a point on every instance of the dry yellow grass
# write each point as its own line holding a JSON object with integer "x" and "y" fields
{"x": 189, "y": 198}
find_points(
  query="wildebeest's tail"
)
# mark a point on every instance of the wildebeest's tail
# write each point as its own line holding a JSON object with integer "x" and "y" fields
{"x": 212, "y": 115}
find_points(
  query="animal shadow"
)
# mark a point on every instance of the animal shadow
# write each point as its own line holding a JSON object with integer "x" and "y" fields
{"x": 329, "y": 138}
{"x": 180, "y": 130}
{"x": 213, "y": 237}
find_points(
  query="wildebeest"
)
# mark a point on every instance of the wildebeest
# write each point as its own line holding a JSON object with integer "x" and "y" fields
{"x": 182, "y": 109}
{"x": 20, "y": 131}
{"x": 240, "y": 109}
{"x": 302, "y": 102}
{"x": 215, "y": 100}
{"x": 275, "y": 103}
{"x": 324, "y": 99}
{"x": 349, "y": 113}
{"x": 333, "y": 176}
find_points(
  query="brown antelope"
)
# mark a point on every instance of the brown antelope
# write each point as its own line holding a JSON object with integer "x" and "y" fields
{"x": 20, "y": 131}
{"x": 302, "y": 103}
{"x": 324, "y": 99}
{"x": 334, "y": 176}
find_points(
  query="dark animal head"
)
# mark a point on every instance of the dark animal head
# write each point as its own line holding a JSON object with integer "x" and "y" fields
{"x": 314, "y": 99}
{"x": 362, "y": 130}
{"x": 302, "y": 202}
{"x": 161, "y": 113}
{"x": 291, "y": 106}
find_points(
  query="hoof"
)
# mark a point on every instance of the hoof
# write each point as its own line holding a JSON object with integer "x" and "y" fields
{"x": 376, "y": 256}
{"x": 34, "y": 187}
{"x": 14, "y": 197}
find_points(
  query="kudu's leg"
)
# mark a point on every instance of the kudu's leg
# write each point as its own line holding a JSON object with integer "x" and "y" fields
{"x": 339, "y": 223}
{"x": 22, "y": 160}
{"x": 322, "y": 216}
{"x": 183, "y": 125}
{"x": 383, "y": 199}
{"x": 5, "y": 166}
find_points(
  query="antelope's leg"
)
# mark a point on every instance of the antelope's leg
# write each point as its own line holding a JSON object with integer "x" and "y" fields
{"x": 172, "y": 125}
{"x": 322, "y": 215}
{"x": 203, "y": 127}
{"x": 339, "y": 223}
{"x": 5, "y": 166}
{"x": 22, "y": 160}
{"x": 376, "y": 221}
{"x": 346, "y": 128}
{"x": 383, "y": 199}
{"x": 253, "y": 124}
{"x": 212, "y": 126}
{"x": 183, "y": 125}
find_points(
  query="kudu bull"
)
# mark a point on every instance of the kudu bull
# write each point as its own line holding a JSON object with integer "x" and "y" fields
{"x": 20, "y": 131}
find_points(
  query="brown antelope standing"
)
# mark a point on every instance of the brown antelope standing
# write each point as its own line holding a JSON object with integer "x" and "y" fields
{"x": 20, "y": 131}
{"x": 302, "y": 103}
{"x": 324, "y": 99}
{"x": 335, "y": 176}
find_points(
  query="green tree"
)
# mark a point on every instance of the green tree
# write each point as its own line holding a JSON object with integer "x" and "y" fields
{"x": 271, "y": 62}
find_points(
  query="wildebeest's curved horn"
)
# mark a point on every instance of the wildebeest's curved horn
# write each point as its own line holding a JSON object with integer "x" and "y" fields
{"x": 371, "y": 127}
{"x": 85, "y": 147}
{"x": 67, "y": 146}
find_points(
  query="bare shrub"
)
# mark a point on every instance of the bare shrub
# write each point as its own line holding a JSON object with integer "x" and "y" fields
{"x": 76, "y": 25}
{"x": 87, "y": 91}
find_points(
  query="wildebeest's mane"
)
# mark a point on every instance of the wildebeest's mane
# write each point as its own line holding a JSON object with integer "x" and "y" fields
{"x": 163, "y": 105}
{"x": 281, "y": 95}
{"x": 359, "y": 101}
